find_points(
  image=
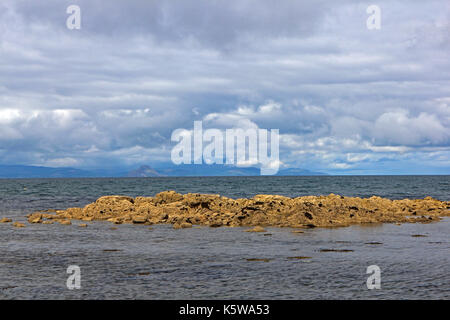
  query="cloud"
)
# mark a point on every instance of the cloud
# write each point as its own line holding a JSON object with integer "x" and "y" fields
{"x": 343, "y": 97}
{"x": 399, "y": 128}
{"x": 214, "y": 23}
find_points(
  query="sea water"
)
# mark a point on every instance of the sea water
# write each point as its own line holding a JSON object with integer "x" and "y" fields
{"x": 135, "y": 262}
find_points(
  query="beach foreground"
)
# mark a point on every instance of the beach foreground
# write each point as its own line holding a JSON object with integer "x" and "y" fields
{"x": 184, "y": 211}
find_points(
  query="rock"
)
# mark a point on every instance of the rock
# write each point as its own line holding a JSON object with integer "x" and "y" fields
{"x": 83, "y": 225}
{"x": 139, "y": 219}
{"x": 116, "y": 220}
{"x": 47, "y": 222}
{"x": 298, "y": 258}
{"x": 65, "y": 222}
{"x": 308, "y": 215}
{"x": 18, "y": 225}
{"x": 35, "y": 220}
{"x": 259, "y": 259}
{"x": 114, "y": 199}
{"x": 256, "y": 229}
{"x": 185, "y": 225}
{"x": 167, "y": 197}
{"x": 262, "y": 210}
{"x": 182, "y": 225}
{"x": 5, "y": 220}
{"x": 336, "y": 250}
{"x": 216, "y": 225}
{"x": 106, "y": 207}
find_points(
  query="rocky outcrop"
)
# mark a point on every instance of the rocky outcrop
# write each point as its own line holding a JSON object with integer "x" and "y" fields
{"x": 183, "y": 211}
{"x": 257, "y": 229}
{"x": 18, "y": 224}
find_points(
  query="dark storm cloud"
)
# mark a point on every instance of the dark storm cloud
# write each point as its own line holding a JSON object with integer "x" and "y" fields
{"x": 213, "y": 22}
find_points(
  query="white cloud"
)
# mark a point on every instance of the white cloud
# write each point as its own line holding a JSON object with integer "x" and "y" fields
{"x": 61, "y": 162}
{"x": 399, "y": 128}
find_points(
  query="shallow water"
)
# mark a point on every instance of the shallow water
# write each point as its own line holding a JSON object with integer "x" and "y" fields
{"x": 209, "y": 263}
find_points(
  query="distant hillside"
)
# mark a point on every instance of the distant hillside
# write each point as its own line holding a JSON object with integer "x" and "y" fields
{"x": 212, "y": 170}
{"x": 20, "y": 171}
{"x": 41, "y": 172}
{"x": 144, "y": 171}
{"x": 299, "y": 172}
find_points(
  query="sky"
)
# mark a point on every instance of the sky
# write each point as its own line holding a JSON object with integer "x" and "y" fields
{"x": 346, "y": 99}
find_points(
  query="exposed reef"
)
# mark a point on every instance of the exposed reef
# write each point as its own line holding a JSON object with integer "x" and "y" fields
{"x": 186, "y": 210}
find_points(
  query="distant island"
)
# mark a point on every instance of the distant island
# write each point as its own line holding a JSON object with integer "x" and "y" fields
{"x": 19, "y": 171}
{"x": 212, "y": 170}
{"x": 22, "y": 171}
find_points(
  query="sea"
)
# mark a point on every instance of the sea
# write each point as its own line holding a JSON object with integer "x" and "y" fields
{"x": 158, "y": 262}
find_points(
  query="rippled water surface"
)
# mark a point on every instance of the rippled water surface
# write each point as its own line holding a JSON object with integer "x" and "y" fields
{"x": 135, "y": 262}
